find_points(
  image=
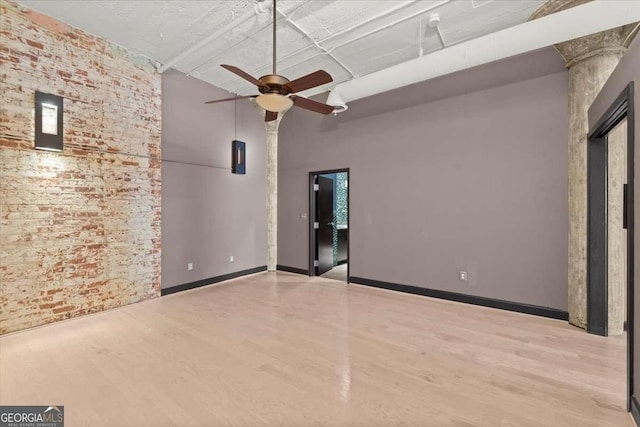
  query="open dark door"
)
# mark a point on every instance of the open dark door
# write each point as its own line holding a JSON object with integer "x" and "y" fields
{"x": 598, "y": 229}
{"x": 324, "y": 217}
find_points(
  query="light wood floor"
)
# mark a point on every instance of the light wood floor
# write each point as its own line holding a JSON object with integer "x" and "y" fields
{"x": 339, "y": 272}
{"x": 278, "y": 349}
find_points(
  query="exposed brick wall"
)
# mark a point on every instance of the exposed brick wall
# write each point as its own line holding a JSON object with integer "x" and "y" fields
{"x": 79, "y": 230}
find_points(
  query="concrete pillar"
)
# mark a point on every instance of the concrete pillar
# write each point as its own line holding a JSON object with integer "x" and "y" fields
{"x": 272, "y": 189}
{"x": 590, "y": 61}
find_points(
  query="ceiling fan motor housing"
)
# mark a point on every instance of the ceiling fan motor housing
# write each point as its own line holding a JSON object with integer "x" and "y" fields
{"x": 273, "y": 84}
{"x": 275, "y": 89}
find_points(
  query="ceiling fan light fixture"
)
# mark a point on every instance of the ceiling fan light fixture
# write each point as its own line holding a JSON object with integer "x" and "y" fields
{"x": 274, "y": 102}
{"x": 275, "y": 89}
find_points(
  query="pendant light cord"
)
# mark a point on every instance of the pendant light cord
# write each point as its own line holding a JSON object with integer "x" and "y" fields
{"x": 235, "y": 119}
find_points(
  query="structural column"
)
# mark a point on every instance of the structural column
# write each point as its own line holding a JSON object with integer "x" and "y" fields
{"x": 272, "y": 190}
{"x": 590, "y": 61}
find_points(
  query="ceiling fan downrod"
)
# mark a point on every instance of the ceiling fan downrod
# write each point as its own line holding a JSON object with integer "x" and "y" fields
{"x": 277, "y": 93}
{"x": 275, "y": 17}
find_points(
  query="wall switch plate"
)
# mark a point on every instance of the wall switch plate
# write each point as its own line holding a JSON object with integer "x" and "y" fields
{"x": 231, "y": 258}
{"x": 463, "y": 276}
{"x": 190, "y": 266}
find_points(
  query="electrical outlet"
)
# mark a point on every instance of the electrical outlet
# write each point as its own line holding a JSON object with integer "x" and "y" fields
{"x": 231, "y": 258}
{"x": 463, "y": 276}
{"x": 190, "y": 266}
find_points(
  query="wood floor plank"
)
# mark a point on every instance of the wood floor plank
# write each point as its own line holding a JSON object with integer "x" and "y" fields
{"x": 279, "y": 349}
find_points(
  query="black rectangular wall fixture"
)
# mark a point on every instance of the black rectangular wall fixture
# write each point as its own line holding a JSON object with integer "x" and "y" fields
{"x": 238, "y": 157}
{"x": 49, "y": 121}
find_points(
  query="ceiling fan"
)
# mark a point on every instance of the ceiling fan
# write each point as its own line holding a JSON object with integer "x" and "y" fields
{"x": 277, "y": 93}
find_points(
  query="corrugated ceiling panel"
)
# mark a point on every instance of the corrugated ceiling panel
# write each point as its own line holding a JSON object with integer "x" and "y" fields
{"x": 162, "y": 30}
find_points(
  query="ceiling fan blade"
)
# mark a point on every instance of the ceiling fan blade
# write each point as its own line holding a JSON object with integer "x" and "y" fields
{"x": 270, "y": 116}
{"x": 314, "y": 79}
{"x": 311, "y": 105}
{"x": 229, "y": 99}
{"x": 248, "y": 77}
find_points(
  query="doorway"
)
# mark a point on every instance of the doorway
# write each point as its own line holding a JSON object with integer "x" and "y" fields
{"x": 329, "y": 224}
{"x": 610, "y": 235}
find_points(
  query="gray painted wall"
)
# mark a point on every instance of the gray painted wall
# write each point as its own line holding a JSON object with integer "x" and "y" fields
{"x": 208, "y": 213}
{"x": 474, "y": 182}
{"x": 626, "y": 72}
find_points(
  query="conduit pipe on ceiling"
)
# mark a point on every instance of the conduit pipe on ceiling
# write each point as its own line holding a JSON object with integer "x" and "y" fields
{"x": 579, "y": 21}
{"x": 356, "y": 26}
{"x": 315, "y": 43}
{"x": 325, "y": 51}
{"x": 381, "y": 15}
{"x": 231, "y": 24}
{"x": 371, "y": 19}
{"x": 388, "y": 25}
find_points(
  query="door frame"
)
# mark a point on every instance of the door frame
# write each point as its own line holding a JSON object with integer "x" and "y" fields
{"x": 597, "y": 292}
{"x": 312, "y": 219}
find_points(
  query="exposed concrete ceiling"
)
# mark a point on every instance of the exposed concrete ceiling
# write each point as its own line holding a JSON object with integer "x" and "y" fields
{"x": 347, "y": 38}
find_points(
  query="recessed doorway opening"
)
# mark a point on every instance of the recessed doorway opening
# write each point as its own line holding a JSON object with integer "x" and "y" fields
{"x": 329, "y": 224}
{"x": 610, "y": 225}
